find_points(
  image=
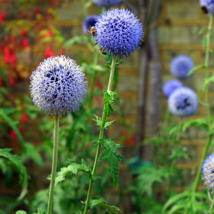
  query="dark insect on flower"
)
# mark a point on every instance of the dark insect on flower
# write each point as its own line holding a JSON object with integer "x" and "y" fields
{"x": 102, "y": 52}
{"x": 58, "y": 86}
{"x": 171, "y": 86}
{"x": 93, "y": 32}
{"x": 208, "y": 172}
{"x": 207, "y": 6}
{"x": 89, "y": 22}
{"x": 183, "y": 102}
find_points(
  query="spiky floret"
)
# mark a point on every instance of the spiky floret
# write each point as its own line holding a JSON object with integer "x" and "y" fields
{"x": 171, "y": 86}
{"x": 208, "y": 172}
{"x": 90, "y": 21}
{"x": 180, "y": 66}
{"x": 107, "y": 3}
{"x": 207, "y": 6}
{"x": 183, "y": 102}
{"x": 58, "y": 86}
{"x": 118, "y": 32}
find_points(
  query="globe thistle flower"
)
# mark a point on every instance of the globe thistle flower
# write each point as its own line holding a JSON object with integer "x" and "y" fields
{"x": 118, "y": 32}
{"x": 183, "y": 102}
{"x": 171, "y": 86}
{"x": 90, "y": 21}
{"x": 107, "y": 3}
{"x": 58, "y": 86}
{"x": 180, "y": 66}
{"x": 208, "y": 172}
{"x": 207, "y": 6}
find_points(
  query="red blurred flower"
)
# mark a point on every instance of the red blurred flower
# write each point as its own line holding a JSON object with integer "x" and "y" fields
{"x": 12, "y": 81}
{"x": 62, "y": 52}
{"x": 38, "y": 11}
{"x": 23, "y": 32}
{"x": 123, "y": 133}
{"x": 49, "y": 52}
{"x": 13, "y": 134}
{"x": 6, "y": 55}
{"x": 48, "y": 34}
{"x": 0, "y": 80}
{"x": 2, "y": 16}
{"x": 12, "y": 39}
{"x": 24, "y": 42}
{"x": 24, "y": 118}
{"x": 131, "y": 141}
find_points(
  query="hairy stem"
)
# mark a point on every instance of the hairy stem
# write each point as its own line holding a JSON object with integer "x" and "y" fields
{"x": 54, "y": 165}
{"x": 100, "y": 137}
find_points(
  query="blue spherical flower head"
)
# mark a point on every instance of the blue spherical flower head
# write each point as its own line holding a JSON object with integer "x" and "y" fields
{"x": 207, "y": 6}
{"x": 107, "y": 3}
{"x": 171, "y": 86}
{"x": 180, "y": 66}
{"x": 118, "y": 32}
{"x": 58, "y": 86}
{"x": 89, "y": 22}
{"x": 208, "y": 172}
{"x": 183, "y": 102}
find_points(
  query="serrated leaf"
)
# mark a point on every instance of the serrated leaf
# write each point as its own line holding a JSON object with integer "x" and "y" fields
{"x": 73, "y": 168}
{"x": 21, "y": 212}
{"x": 195, "y": 69}
{"x": 111, "y": 155}
{"x": 108, "y": 101}
{"x": 16, "y": 160}
{"x": 4, "y": 115}
{"x": 98, "y": 121}
{"x": 102, "y": 203}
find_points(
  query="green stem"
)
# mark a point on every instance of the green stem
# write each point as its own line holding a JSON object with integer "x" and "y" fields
{"x": 54, "y": 165}
{"x": 206, "y": 68}
{"x": 100, "y": 137}
{"x": 96, "y": 58}
{"x": 197, "y": 179}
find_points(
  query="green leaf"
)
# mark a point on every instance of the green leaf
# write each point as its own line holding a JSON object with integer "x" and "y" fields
{"x": 201, "y": 122}
{"x": 98, "y": 121}
{"x": 3, "y": 114}
{"x": 102, "y": 203}
{"x": 203, "y": 30}
{"x": 73, "y": 168}
{"x": 111, "y": 155}
{"x": 108, "y": 101}
{"x": 2, "y": 212}
{"x": 21, "y": 212}
{"x": 5, "y": 78}
{"x": 16, "y": 160}
{"x": 77, "y": 39}
{"x": 147, "y": 176}
{"x": 207, "y": 81}
{"x": 195, "y": 69}
{"x": 39, "y": 211}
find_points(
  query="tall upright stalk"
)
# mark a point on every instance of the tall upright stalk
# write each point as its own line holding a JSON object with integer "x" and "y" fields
{"x": 54, "y": 165}
{"x": 100, "y": 137}
{"x": 198, "y": 176}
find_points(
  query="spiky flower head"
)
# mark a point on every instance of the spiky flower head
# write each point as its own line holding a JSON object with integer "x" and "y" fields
{"x": 207, "y": 6}
{"x": 118, "y": 32}
{"x": 107, "y": 3}
{"x": 180, "y": 66}
{"x": 89, "y": 22}
{"x": 183, "y": 102}
{"x": 58, "y": 86}
{"x": 208, "y": 172}
{"x": 171, "y": 86}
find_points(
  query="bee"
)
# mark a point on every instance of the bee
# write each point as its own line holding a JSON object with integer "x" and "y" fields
{"x": 92, "y": 31}
{"x": 102, "y": 52}
{"x": 204, "y": 9}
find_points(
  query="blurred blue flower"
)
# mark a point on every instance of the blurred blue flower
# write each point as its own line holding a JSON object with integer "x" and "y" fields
{"x": 183, "y": 102}
{"x": 58, "y": 86}
{"x": 208, "y": 172}
{"x": 170, "y": 86}
{"x": 107, "y": 3}
{"x": 207, "y": 6}
{"x": 90, "y": 21}
{"x": 180, "y": 66}
{"x": 118, "y": 32}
